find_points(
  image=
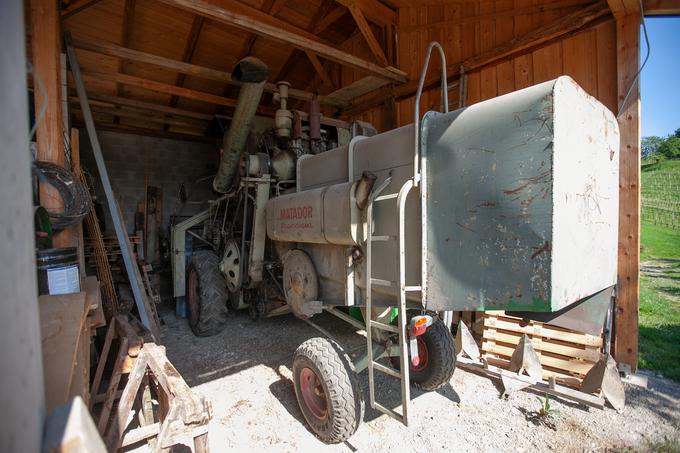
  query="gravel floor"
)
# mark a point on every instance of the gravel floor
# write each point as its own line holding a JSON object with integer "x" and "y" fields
{"x": 245, "y": 372}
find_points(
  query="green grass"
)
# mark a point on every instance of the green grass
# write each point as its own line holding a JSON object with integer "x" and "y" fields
{"x": 659, "y": 243}
{"x": 659, "y": 346}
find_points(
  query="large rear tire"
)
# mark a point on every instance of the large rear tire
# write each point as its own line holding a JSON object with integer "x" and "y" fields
{"x": 327, "y": 390}
{"x": 436, "y": 350}
{"x": 206, "y": 294}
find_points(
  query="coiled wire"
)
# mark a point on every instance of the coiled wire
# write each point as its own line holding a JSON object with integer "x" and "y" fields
{"x": 77, "y": 200}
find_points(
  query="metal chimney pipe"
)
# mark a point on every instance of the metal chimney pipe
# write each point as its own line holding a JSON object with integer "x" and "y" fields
{"x": 253, "y": 74}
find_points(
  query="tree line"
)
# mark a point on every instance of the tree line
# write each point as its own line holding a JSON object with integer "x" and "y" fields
{"x": 661, "y": 147}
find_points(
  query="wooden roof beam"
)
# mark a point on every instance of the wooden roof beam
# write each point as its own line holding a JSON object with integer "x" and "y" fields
{"x": 191, "y": 69}
{"x": 76, "y": 6}
{"x": 271, "y": 7}
{"x": 513, "y": 48}
{"x": 374, "y": 11}
{"x": 243, "y": 17}
{"x": 661, "y": 7}
{"x": 108, "y": 126}
{"x": 187, "y": 55}
{"x": 103, "y": 107}
{"x": 320, "y": 70}
{"x": 125, "y": 79}
{"x": 512, "y": 12}
{"x": 321, "y": 14}
{"x": 365, "y": 30}
{"x": 149, "y": 106}
{"x": 328, "y": 19}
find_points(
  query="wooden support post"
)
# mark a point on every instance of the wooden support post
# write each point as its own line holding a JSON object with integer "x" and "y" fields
{"x": 627, "y": 298}
{"x": 45, "y": 42}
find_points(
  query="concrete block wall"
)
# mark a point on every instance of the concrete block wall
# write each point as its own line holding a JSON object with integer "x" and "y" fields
{"x": 134, "y": 161}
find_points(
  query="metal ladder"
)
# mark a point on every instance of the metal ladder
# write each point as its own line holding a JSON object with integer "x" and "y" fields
{"x": 403, "y": 373}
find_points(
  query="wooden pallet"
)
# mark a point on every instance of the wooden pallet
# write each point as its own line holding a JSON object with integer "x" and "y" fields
{"x": 565, "y": 354}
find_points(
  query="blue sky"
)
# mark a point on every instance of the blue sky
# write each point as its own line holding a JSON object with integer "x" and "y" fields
{"x": 660, "y": 79}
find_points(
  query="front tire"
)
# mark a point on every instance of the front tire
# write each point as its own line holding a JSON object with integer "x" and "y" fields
{"x": 327, "y": 390}
{"x": 206, "y": 294}
{"x": 436, "y": 349}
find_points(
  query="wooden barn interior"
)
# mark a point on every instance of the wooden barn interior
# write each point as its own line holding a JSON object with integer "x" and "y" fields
{"x": 158, "y": 79}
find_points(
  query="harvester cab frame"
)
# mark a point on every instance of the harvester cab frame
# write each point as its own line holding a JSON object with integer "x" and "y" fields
{"x": 509, "y": 204}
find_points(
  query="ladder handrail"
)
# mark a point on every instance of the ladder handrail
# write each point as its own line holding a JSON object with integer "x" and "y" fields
{"x": 403, "y": 372}
{"x": 403, "y": 336}
{"x": 419, "y": 93}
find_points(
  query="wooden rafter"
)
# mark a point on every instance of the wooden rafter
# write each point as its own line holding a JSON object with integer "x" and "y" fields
{"x": 518, "y": 46}
{"x": 125, "y": 79}
{"x": 105, "y": 108}
{"x": 366, "y": 31}
{"x": 661, "y": 7}
{"x": 103, "y": 125}
{"x": 114, "y": 101}
{"x": 191, "y": 69}
{"x": 328, "y": 18}
{"x": 271, "y": 7}
{"x": 187, "y": 55}
{"x": 126, "y": 35}
{"x": 320, "y": 70}
{"x": 76, "y": 6}
{"x": 512, "y": 12}
{"x": 244, "y": 18}
{"x": 322, "y": 12}
{"x": 374, "y": 11}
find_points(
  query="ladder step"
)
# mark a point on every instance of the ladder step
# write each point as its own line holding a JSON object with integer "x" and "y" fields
{"x": 386, "y": 370}
{"x": 383, "y": 326}
{"x": 380, "y": 282}
{"x": 389, "y": 196}
{"x": 395, "y": 415}
{"x": 413, "y": 288}
{"x": 382, "y": 238}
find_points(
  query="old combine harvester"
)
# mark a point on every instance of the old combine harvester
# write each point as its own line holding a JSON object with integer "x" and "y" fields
{"x": 509, "y": 204}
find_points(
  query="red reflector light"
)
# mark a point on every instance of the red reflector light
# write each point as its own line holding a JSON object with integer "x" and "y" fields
{"x": 416, "y": 360}
{"x": 419, "y": 329}
{"x": 419, "y": 325}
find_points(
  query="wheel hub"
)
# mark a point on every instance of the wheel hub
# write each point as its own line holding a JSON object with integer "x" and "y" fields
{"x": 230, "y": 266}
{"x": 300, "y": 284}
{"x": 313, "y": 394}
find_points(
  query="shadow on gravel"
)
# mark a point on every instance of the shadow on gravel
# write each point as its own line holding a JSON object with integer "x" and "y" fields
{"x": 271, "y": 342}
{"x": 662, "y": 397}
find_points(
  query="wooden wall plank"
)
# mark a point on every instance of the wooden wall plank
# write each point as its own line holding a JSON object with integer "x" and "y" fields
{"x": 580, "y": 60}
{"x": 470, "y": 46}
{"x": 505, "y": 31}
{"x": 523, "y": 65}
{"x": 489, "y": 83}
{"x": 547, "y": 62}
{"x": 606, "y": 64}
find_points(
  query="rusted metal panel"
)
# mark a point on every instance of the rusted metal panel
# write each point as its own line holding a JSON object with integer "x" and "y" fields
{"x": 521, "y": 201}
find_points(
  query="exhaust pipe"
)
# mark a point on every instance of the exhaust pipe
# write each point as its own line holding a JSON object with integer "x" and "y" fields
{"x": 253, "y": 74}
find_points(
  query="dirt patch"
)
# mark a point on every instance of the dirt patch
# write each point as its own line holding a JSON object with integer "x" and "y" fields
{"x": 245, "y": 372}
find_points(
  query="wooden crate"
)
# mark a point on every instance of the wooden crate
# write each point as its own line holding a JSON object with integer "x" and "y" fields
{"x": 565, "y": 354}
